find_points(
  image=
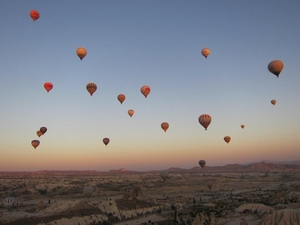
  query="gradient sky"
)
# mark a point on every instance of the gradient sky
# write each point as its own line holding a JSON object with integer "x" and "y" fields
{"x": 157, "y": 43}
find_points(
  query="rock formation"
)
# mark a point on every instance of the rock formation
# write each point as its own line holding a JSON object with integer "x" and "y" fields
{"x": 283, "y": 216}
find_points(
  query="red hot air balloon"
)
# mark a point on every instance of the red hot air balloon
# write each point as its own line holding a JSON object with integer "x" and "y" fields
{"x": 145, "y": 90}
{"x": 227, "y": 139}
{"x": 91, "y": 88}
{"x": 121, "y": 98}
{"x": 34, "y": 14}
{"x": 204, "y": 120}
{"x": 164, "y": 126}
{"x": 106, "y": 141}
{"x": 35, "y": 143}
{"x": 48, "y": 86}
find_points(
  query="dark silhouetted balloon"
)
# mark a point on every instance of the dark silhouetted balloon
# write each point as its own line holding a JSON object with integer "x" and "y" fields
{"x": 43, "y": 130}
{"x": 227, "y": 139}
{"x": 202, "y": 163}
{"x": 35, "y": 143}
{"x": 88, "y": 191}
{"x": 209, "y": 186}
{"x": 164, "y": 126}
{"x": 34, "y": 14}
{"x": 39, "y": 133}
{"x": 91, "y": 88}
{"x": 273, "y": 101}
{"x": 276, "y": 67}
{"x": 242, "y": 126}
{"x": 106, "y": 141}
{"x": 204, "y": 120}
{"x": 81, "y": 52}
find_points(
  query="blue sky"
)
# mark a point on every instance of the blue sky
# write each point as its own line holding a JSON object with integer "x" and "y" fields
{"x": 155, "y": 43}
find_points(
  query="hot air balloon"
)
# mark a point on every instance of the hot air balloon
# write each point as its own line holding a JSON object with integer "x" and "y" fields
{"x": 121, "y": 98}
{"x": 276, "y": 67}
{"x": 48, "y": 86}
{"x": 164, "y": 126}
{"x": 205, "y": 52}
{"x": 202, "y": 163}
{"x": 145, "y": 90}
{"x": 227, "y": 139}
{"x": 35, "y": 143}
{"x": 273, "y": 101}
{"x": 88, "y": 191}
{"x": 106, "y": 141}
{"x": 91, "y": 88}
{"x": 164, "y": 174}
{"x": 204, "y": 120}
{"x": 39, "y": 133}
{"x": 9, "y": 201}
{"x": 130, "y": 112}
{"x": 43, "y": 130}
{"x": 242, "y": 126}
{"x": 81, "y": 52}
{"x": 34, "y": 14}
{"x": 209, "y": 186}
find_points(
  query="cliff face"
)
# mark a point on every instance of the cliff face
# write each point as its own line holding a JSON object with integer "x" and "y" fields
{"x": 284, "y": 216}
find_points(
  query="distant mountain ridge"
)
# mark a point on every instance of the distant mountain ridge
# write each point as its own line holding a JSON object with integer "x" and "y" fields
{"x": 262, "y": 166}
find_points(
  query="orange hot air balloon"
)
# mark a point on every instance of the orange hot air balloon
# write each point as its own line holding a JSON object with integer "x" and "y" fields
{"x": 121, "y": 98}
{"x": 81, "y": 52}
{"x": 227, "y": 139}
{"x": 34, "y": 14}
{"x": 205, "y": 52}
{"x": 39, "y": 133}
{"x": 209, "y": 186}
{"x": 273, "y": 101}
{"x": 91, "y": 88}
{"x": 48, "y": 86}
{"x": 145, "y": 90}
{"x": 130, "y": 112}
{"x": 276, "y": 67}
{"x": 242, "y": 126}
{"x": 35, "y": 143}
{"x": 43, "y": 130}
{"x": 165, "y": 126}
{"x": 204, "y": 120}
{"x": 202, "y": 163}
{"x": 106, "y": 141}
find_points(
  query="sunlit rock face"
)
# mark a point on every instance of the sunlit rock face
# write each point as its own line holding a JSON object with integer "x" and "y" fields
{"x": 284, "y": 216}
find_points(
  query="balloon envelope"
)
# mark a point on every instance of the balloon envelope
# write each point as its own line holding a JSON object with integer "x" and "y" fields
{"x": 88, "y": 191}
{"x": 275, "y": 67}
{"x": 227, "y": 139}
{"x": 164, "y": 126}
{"x": 204, "y": 120}
{"x": 130, "y": 112}
{"x": 81, "y": 52}
{"x": 39, "y": 133}
{"x": 34, "y": 14}
{"x": 121, "y": 98}
{"x": 164, "y": 174}
{"x": 106, "y": 141}
{"x": 145, "y": 90}
{"x": 202, "y": 163}
{"x": 43, "y": 130}
{"x": 242, "y": 126}
{"x": 273, "y": 101}
{"x": 209, "y": 186}
{"x": 35, "y": 143}
{"x": 48, "y": 86}
{"x": 205, "y": 52}
{"x": 9, "y": 201}
{"x": 91, "y": 88}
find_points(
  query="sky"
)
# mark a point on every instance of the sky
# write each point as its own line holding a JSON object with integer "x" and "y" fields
{"x": 156, "y": 43}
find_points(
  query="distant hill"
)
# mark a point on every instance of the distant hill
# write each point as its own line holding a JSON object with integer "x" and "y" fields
{"x": 263, "y": 166}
